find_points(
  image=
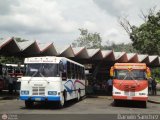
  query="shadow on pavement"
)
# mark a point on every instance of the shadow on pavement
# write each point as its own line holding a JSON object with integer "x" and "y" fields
{"x": 50, "y": 105}
{"x": 129, "y": 104}
{"x": 4, "y": 95}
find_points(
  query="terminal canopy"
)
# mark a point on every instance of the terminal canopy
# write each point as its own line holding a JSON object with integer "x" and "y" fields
{"x": 10, "y": 47}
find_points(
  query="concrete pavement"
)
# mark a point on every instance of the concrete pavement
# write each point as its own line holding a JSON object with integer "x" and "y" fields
{"x": 152, "y": 98}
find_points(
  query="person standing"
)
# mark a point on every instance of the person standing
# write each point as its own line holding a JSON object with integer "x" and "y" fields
{"x": 15, "y": 84}
{"x": 10, "y": 86}
{"x": 109, "y": 82}
{"x": 154, "y": 89}
{"x": 150, "y": 86}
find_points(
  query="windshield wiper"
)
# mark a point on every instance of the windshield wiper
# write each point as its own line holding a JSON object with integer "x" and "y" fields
{"x": 32, "y": 76}
{"x": 130, "y": 75}
{"x": 127, "y": 75}
{"x": 43, "y": 77}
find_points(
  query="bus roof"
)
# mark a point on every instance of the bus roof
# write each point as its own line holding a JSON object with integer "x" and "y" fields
{"x": 14, "y": 65}
{"x": 130, "y": 65}
{"x": 48, "y": 59}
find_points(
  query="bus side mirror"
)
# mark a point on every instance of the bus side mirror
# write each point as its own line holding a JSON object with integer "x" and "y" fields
{"x": 112, "y": 72}
{"x": 148, "y": 72}
{"x": 64, "y": 76}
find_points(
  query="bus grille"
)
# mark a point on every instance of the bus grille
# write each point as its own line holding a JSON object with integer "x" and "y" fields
{"x": 38, "y": 91}
{"x": 129, "y": 90}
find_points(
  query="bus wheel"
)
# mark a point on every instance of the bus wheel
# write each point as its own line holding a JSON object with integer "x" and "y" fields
{"x": 144, "y": 104}
{"x": 78, "y": 95}
{"x": 116, "y": 102}
{"x": 29, "y": 104}
{"x": 62, "y": 101}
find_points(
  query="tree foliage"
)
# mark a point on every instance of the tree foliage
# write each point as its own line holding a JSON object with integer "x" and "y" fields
{"x": 146, "y": 37}
{"x": 88, "y": 40}
{"x": 10, "y": 60}
{"x": 156, "y": 73}
{"x": 120, "y": 47}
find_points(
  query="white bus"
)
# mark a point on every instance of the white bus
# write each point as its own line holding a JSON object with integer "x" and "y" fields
{"x": 52, "y": 79}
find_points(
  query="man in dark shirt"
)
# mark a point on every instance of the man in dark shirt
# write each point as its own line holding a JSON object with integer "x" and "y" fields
{"x": 154, "y": 84}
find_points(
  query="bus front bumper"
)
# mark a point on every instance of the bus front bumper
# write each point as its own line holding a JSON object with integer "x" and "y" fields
{"x": 40, "y": 98}
{"x": 136, "y": 98}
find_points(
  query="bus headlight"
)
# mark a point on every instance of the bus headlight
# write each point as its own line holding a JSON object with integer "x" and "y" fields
{"x": 117, "y": 92}
{"x": 142, "y": 93}
{"x": 52, "y": 92}
{"x": 24, "y": 92}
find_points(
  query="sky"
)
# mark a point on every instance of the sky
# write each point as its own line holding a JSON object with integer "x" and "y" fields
{"x": 58, "y": 21}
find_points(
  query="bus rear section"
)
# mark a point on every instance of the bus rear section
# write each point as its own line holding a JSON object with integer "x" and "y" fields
{"x": 130, "y": 82}
{"x": 46, "y": 80}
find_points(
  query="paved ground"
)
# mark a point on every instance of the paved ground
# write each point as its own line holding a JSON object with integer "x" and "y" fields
{"x": 86, "y": 106}
{"x": 95, "y": 108}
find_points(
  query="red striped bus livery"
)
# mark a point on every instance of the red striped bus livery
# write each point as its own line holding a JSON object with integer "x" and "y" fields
{"x": 130, "y": 82}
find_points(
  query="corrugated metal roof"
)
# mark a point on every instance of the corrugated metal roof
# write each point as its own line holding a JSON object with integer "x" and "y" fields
{"x": 48, "y": 49}
{"x": 77, "y": 50}
{"x": 105, "y": 53}
{"x": 83, "y": 54}
{"x": 132, "y": 57}
{"x": 92, "y": 52}
{"x": 30, "y": 47}
{"x": 142, "y": 57}
{"x": 4, "y": 41}
{"x": 118, "y": 55}
{"x": 26, "y": 44}
{"x": 152, "y": 58}
{"x": 67, "y": 52}
{"x": 43, "y": 46}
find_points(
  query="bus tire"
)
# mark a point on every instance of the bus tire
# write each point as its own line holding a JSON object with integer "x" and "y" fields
{"x": 62, "y": 100}
{"x": 78, "y": 95}
{"x": 116, "y": 102}
{"x": 144, "y": 104}
{"x": 29, "y": 104}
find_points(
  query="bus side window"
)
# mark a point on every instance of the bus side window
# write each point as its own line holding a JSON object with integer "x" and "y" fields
{"x": 83, "y": 73}
{"x": 73, "y": 70}
{"x": 61, "y": 66}
{"x": 68, "y": 70}
{"x": 79, "y": 72}
{"x": 76, "y": 72}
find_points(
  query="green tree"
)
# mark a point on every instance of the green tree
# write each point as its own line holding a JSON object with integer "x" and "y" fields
{"x": 146, "y": 37}
{"x": 119, "y": 47}
{"x": 88, "y": 40}
{"x": 10, "y": 60}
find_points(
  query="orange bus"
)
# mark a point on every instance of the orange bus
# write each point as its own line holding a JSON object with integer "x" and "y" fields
{"x": 130, "y": 82}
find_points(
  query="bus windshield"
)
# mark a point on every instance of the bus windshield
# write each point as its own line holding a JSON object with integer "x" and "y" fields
{"x": 42, "y": 70}
{"x": 130, "y": 75}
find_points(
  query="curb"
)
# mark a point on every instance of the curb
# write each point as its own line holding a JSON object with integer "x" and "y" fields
{"x": 152, "y": 101}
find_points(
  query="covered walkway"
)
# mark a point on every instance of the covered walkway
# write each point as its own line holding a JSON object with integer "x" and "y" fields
{"x": 96, "y": 61}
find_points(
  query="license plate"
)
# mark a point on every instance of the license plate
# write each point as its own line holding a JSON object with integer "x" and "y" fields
{"x": 126, "y": 93}
{"x": 132, "y": 93}
{"x": 129, "y": 97}
{"x": 37, "y": 99}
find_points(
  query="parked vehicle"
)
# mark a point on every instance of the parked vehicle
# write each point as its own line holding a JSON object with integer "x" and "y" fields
{"x": 52, "y": 79}
{"x": 130, "y": 82}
